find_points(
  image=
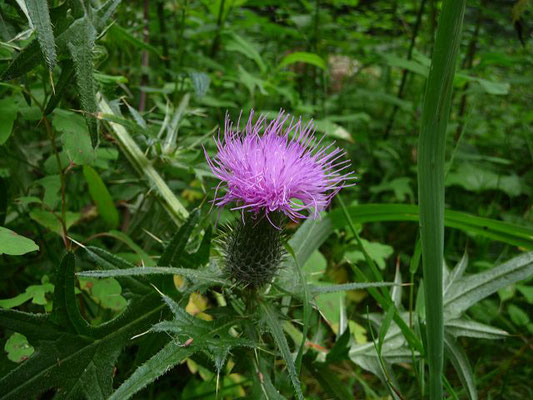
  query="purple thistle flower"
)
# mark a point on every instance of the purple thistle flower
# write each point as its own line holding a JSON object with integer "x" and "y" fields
{"x": 277, "y": 166}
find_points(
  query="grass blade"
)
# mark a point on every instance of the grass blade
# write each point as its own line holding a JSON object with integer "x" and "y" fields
{"x": 498, "y": 230}
{"x": 460, "y": 362}
{"x": 274, "y": 326}
{"x": 431, "y": 152}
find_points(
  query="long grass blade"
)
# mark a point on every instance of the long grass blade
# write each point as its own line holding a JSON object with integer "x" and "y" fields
{"x": 431, "y": 152}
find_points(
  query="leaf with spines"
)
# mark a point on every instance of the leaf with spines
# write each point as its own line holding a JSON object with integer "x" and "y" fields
{"x": 190, "y": 335}
{"x": 81, "y": 49}
{"x": 71, "y": 356}
{"x": 40, "y": 16}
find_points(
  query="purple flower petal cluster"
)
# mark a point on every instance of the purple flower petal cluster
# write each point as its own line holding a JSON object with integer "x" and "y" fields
{"x": 277, "y": 166}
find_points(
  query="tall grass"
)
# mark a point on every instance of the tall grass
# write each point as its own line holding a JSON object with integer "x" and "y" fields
{"x": 431, "y": 153}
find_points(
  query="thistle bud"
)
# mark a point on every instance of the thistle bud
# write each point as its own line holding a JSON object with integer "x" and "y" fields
{"x": 253, "y": 250}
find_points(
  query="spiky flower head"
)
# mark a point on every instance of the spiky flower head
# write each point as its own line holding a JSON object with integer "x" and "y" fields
{"x": 270, "y": 170}
{"x": 277, "y": 166}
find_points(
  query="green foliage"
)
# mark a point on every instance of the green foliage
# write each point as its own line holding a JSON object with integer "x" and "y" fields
{"x": 14, "y": 244}
{"x": 107, "y": 111}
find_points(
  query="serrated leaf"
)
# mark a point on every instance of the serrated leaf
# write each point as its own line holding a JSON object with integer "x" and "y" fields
{"x": 171, "y": 355}
{"x": 14, "y": 244}
{"x": 79, "y": 365}
{"x": 193, "y": 274}
{"x": 40, "y": 16}
{"x": 317, "y": 290}
{"x": 191, "y": 335}
{"x": 81, "y": 47}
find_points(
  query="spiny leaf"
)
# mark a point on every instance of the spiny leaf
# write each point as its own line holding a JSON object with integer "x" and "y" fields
{"x": 194, "y": 274}
{"x": 192, "y": 335}
{"x": 40, "y": 17}
{"x": 168, "y": 357}
{"x": 79, "y": 366}
{"x": 81, "y": 47}
{"x": 317, "y": 290}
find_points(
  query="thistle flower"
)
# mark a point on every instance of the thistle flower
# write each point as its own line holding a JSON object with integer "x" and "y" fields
{"x": 278, "y": 166}
{"x": 268, "y": 171}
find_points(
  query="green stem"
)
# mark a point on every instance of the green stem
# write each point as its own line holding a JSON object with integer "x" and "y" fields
{"x": 431, "y": 152}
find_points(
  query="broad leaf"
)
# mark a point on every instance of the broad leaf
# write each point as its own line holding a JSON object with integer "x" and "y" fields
{"x": 13, "y": 244}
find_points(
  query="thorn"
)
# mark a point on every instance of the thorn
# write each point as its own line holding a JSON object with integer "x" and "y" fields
{"x": 52, "y": 82}
{"x": 139, "y": 335}
{"x": 76, "y": 242}
{"x": 157, "y": 290}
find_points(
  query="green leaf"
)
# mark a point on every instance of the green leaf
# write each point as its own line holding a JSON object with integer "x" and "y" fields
{"x": 75, "y": 137}
{"x": 193, "y": 274}
{"x": 191, "y": 335}
{"x": 15, "y": 245}
{"x": 51, "y": 221}
{"x": 37, "y": 294}
{"x": 40, "y": 17}
{"x": 476, "y": 179}
{"x": 498, "y": 230}
{"x": 143, "y": 166}
{"x": 431, "y": 154}
{"x": 168, "y": 357}
{"x": 239, "y": 44}
{"x": 471, "y": 289}
{"x": 176, "y": 248}
{"x": 303, "y": 57}
{"x": 329, "y": 381}
{"x": 274, "y": 326}
{"x": 377, "y": 251}
{"x": 81, "y": 48}
{"x": 463, "y": 327}
{"x": 460, "y": 362}
{"x": 17, "y": 348}
{"x": 7, "y": 118}
{"x": 65, "y": 79}
{"x": 518, "y": 316}
{"x": 322, "y": 289}
{"x": 102, "y": 198}
{"x": 105, "y": 292}
{"x": 71, "y": 356}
